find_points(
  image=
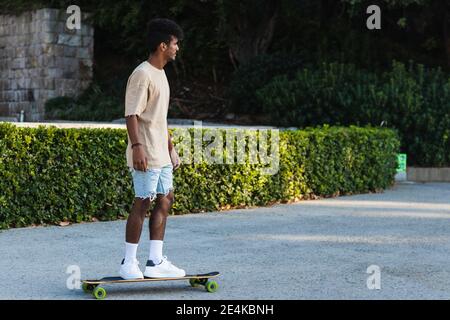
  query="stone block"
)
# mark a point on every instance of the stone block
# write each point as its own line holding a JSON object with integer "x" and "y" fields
{"x": 4, "y": 65}
{"x": 37, "y": 26}
{"x": 20, "y": 96}
{"x": 49, "y": 84}
{"x": 53, "y": 26}
{"x": 5, "y": 85}
{"x": 4, "y": 109}
{"x": 48, "y": 37}
{"x": 48, "y": 61}
{"x": 18, "y": 73}
{"x": 31, "y": 62}
{"x": 419, "y": 174}
{"x": 38, "y": 15}
{"x": 6, "y": 29}
{"x": 48, "y": 14}
{"x": 70, "y": 51}
{"x": 87, "y": 41}
{"x": 38, "y": 94}
{"x": 21, "y": 83}
{"x": 86, "y": 29}
{"x": 69, "y": 75}
{"x": 7, "y": 95}
{"x": 27, "y": 17}
{"x": 13, "y": 83}
{"x": 18, "y": 63}
{"x": 48, "y": 49}
{"x": 16, "y": 107}
{"x": 35, "y": 73}
{"x": 3, "y": 43}
{"x": 54, "y": 73}
{"x": 10, "y": 52}
{"x": 20, "y": 52}
{"x": 20, "y": 28}
{"x": 37, "y": 83}
{"x": 69, "y": 40}
{"x": 83, "y": 53}
{"x": 24, "y": 39}
{"x": 70, "y": 64}
{"x": 50, "y": 94}
{"x": 59, "y": 50}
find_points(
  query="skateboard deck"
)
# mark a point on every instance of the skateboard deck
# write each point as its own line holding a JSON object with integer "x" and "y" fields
{"x": 93, "y": 286}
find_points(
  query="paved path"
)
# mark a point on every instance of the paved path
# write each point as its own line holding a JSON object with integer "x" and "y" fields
{"x": 309, "y": 250}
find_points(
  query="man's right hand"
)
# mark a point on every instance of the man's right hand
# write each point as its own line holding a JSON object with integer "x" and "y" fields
{"x": 139, "y": 159}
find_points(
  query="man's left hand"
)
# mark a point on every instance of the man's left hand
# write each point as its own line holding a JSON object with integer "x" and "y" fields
{"x": 176, "y": 162}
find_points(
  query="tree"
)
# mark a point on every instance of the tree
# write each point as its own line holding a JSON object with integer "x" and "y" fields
{"x": 248, "y": 27}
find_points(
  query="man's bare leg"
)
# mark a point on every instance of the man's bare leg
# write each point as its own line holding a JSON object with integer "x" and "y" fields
{"x": 136, "y": 220}
{"x": 129, "y": 268}
{"x": 157, "y": 266}
{"x": 159, "y": 215}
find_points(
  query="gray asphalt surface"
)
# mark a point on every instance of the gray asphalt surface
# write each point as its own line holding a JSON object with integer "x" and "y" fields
{"x": 317, "y": 249}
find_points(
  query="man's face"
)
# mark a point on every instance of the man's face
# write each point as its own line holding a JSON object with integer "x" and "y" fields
{"x": 172, "y": 49}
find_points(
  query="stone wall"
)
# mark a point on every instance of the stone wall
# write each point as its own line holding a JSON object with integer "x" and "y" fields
{"x": 40, "y": 59}
{"x": 429, "y": 174}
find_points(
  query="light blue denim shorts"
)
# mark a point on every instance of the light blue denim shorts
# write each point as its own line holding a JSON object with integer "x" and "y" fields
{"x": 147, "y": 184}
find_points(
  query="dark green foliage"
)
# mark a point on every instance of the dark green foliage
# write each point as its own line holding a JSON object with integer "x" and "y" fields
{"x": 95, "y": 104}
{"x": 414, "y": 100}
{"x": 48, "y": 175}
{"x": 257, "y": 73}
{"x": 331, "y": 30}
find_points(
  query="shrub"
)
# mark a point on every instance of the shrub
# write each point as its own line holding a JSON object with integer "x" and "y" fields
{"x": 94, "y": 104}
{"x": 256, "y": 74}
{"x": 48, "y": 175}
{"x": 413, "y": 100}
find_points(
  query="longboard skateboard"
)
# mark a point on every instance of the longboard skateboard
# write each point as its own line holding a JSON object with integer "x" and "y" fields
{"x": 93, "y": 286}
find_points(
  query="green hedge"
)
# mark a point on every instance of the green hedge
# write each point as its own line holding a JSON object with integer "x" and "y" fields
{"x": 49, "y": 175}
{"x": 412, "y": 99}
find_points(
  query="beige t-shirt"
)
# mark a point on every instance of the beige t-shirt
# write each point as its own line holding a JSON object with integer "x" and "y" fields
{"x": 147, "y": 95}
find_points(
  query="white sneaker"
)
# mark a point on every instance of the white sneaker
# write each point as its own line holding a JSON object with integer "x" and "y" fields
{"x": 163, "y": 270}
{"x": 130, "y": 270}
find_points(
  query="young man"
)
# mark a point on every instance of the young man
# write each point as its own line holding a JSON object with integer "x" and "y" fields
{"x": 150, "y": 155}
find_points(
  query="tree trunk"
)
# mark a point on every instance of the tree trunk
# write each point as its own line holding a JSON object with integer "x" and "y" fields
{"x": 252, "y": 30}
{"x": 446, "y": 34}
{"x": 327, "y": 12}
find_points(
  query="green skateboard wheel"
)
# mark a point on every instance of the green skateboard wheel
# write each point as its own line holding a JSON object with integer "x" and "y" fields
{"x": 211, "y": 286}
{"x": 88, "y": 288}
{"x": 99, "y": 293}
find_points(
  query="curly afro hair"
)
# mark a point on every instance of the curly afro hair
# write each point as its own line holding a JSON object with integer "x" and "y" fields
{"x": 162, "y": 30}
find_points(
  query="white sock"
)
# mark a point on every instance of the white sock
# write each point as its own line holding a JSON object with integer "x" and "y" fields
{"x": 130, "y": 251}
{"x": 156, "y": 247}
